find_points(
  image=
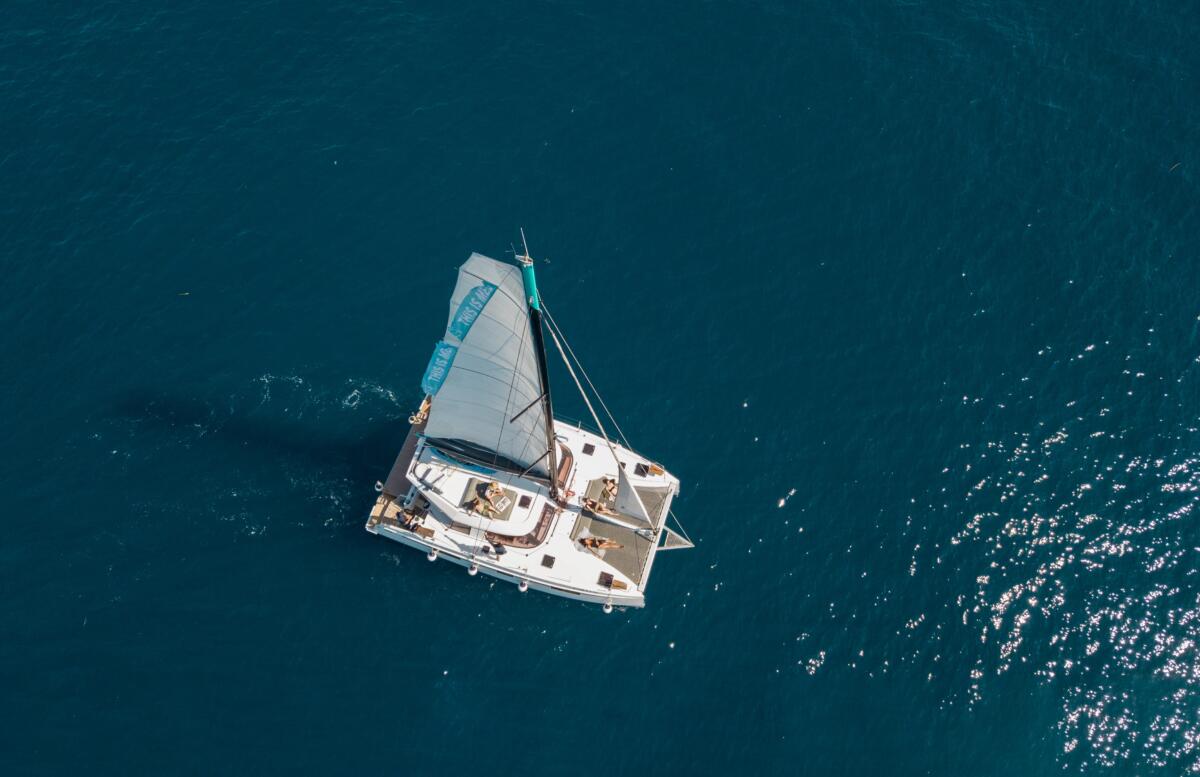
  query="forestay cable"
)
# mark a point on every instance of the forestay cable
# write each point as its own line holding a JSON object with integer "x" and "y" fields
{"x": 560, "y": 341}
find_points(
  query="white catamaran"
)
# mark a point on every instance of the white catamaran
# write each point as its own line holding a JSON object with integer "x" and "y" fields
{"x": 489, "y": 479}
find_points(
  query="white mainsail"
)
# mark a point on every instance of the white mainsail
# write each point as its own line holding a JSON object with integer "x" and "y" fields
{"x": 484, "y": 374}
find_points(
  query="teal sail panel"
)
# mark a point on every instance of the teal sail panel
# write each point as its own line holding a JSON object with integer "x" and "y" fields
{"x": 469, "y": 309}
{"x": 439, "y": 367}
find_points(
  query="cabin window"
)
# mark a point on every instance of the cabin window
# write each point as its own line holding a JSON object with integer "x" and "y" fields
{"x": 525, "y": 500}
{"x": 641, "y": 470}
{"x": 547, "y": 561}
{"x": 588, "y": 449}
{"x": 605, "y": 580}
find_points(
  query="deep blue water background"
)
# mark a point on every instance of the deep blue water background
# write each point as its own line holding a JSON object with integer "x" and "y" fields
{"x": 905, "y": 293}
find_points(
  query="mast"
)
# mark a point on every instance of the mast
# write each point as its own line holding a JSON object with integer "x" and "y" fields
{"x": 535, "y": 320}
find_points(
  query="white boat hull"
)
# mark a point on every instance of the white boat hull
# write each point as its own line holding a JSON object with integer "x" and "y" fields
{"x": 422, "y": 505}
{"x": 616, "y": 599}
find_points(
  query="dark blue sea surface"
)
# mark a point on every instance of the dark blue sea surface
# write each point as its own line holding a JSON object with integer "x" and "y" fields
{"x": 905, "y": 293}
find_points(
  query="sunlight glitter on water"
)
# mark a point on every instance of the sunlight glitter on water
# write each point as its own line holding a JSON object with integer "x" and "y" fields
{"x": 1081, "y": 545}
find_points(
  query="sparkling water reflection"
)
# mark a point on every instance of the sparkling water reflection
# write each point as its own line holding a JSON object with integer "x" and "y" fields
{"x": 1079, "y": 535}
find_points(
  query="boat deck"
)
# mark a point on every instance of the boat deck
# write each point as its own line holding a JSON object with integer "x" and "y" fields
{"x": 629, "y": 560}
{"x": 540, "y": 539}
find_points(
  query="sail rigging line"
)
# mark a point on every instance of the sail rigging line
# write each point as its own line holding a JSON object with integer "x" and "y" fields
{"x": 582, "y": 393}
{"x": 556, "y": 334}
{"x": 600, "y": 399}
{"x": 679, "y": 525}
{"x": 642, "y": 558}
{"x": 528, "y": 407}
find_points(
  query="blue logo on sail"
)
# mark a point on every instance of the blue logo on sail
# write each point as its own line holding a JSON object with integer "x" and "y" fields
{"x": 439, "y": 367}
{"x": 469, "y": 309}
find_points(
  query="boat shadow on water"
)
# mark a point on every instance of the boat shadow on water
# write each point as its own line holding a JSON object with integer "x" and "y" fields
{"x": 344, "y": 457}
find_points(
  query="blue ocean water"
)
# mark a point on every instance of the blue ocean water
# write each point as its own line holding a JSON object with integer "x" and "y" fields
{"x": 905, "y": 293}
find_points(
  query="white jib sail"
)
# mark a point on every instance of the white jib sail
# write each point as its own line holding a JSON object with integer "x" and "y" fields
{"x": 628, "y": 502}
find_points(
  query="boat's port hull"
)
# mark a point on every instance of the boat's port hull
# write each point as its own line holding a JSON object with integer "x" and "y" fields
{"x": 405, "y": 537}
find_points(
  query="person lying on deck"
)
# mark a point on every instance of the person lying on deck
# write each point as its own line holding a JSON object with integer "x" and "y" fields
{"x": 490, "y": 493}
{"x": 600, "y": 543}
{"x": 610, "y": 487}
{"x": 596, "y": 507}
{"x": 486, "y": 509}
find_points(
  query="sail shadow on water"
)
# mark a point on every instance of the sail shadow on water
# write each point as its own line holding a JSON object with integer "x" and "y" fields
{"x": 319, "y": 443}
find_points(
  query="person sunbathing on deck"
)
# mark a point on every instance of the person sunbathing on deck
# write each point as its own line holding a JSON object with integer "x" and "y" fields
{"x": 610, "y": 487}
{"x": 596, "y": 507}
{"x": 478, "y": 505}
{"x": 490, "y": 493}
{"x": 600, "y": 543}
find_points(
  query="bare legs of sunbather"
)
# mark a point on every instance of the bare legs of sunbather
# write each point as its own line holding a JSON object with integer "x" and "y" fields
{"x": 597, "y": 508}
{"x": 486, "y": 509}
{"x": 600, "y": 543}
{"x": 490, "y": 493}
